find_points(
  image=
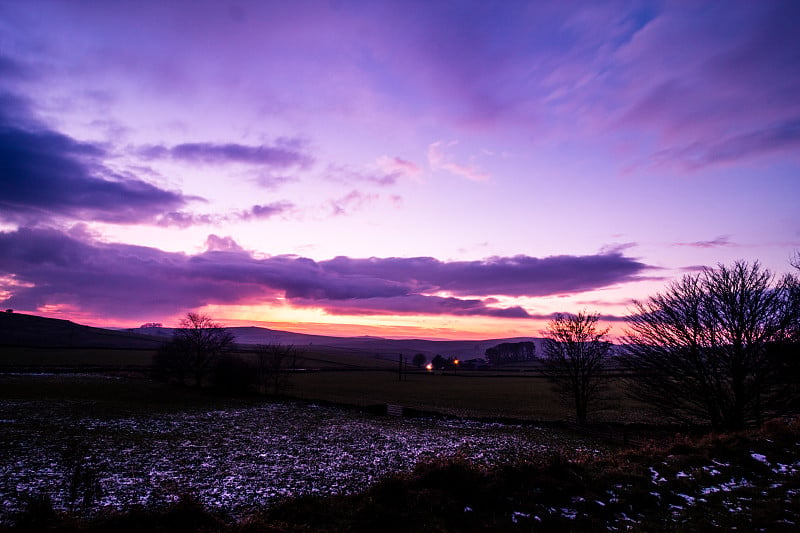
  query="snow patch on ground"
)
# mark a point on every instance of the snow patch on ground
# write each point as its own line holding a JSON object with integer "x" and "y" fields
{"x": 235, "y": 459}
{"x": 760, "y": 458}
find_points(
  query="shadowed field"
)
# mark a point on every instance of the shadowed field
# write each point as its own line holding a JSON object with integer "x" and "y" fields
{"x": 92, "y": 453}
{"x": 135, "y": 442}
{"x": 473, "y": 394}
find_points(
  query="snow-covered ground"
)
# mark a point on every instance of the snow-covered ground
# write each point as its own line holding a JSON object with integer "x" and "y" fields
{"x": 235, "y": 458}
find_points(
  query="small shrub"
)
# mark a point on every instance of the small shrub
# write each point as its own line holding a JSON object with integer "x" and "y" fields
{"x": 37, "y": 514}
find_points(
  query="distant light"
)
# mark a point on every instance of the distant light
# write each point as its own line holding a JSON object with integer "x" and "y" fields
{"x": 455, "y": 361}
{"x": 429, "y": 367}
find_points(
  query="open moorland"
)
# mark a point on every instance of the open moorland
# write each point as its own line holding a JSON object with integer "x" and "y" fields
{"x": 89, "y": 442}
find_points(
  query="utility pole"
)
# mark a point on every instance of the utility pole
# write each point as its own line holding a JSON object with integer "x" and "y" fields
{"x": 400, "y": 367}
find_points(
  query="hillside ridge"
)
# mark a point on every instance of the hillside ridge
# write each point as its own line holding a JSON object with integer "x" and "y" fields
{"x": 19, "y": 329}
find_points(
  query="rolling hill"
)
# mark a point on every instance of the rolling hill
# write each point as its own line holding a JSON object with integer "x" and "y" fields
{"x": 375, "y": 346}
{"x": 18, "y": 329}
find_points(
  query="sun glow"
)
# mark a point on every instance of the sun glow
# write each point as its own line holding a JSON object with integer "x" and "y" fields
{"x": 316, "y": 321}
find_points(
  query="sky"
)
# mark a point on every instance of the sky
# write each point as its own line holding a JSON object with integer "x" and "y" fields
{"x": 397, "y": 168}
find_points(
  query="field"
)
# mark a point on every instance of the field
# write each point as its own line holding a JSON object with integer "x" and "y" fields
{"x": 21, "y": 358}
{"x": 336, "y": 375}
{"x": 468, "y": 394}
{"x": 167, "y": 458}
{"x": 85, "y": 434}
{"x": 144, "y": 443}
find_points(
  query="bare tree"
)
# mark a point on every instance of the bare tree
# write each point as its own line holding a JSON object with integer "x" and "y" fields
{"x": 705, "y": 349}
{"x": 273, "y": 365}
{"x": 418, "y": 360}
{"x": 575, "y": 353}
{"x": 194, "y": 349}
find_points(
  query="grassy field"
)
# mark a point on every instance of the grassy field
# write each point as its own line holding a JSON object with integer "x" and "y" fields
{"x": 500, "y": 395}
{"x": 362, "y": 374}
{"x": 334, "y": 358}
{"x": 477, "y": 396}
{"x": 110, "y": 396}
{"x": 342, "y": 379}
{"x": 474, "y": 394}
{"x": 17, "y": 357}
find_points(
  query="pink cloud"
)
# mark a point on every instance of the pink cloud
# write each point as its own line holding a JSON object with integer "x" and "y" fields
{"x": 351, "y": 202}
{"x": 396, "y": 165}
{"x": 439, "y": 160}
{"x": 215, "y": 243}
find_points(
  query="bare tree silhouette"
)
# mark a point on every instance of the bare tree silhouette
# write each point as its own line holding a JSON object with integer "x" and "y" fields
{"x": 704, "y": 349}
{"x": 273, "y": 367}
{"x": 194, "y": 349}
{"x": 575, "y": 354}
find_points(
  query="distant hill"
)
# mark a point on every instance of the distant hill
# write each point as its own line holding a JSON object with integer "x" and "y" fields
{"x": 17, "y": 329}
{"x": 373, "y": 346}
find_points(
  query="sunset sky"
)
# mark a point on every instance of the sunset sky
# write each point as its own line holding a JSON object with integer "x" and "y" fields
{"x": 429, "y": 169}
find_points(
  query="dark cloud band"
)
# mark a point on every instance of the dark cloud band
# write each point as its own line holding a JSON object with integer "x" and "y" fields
{"x": 45, "y": 174}
{"x": 121, "y": 280}
{"x": 274, "y": 156}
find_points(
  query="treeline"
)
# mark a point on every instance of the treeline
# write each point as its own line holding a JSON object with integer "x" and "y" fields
{"x": 511, "y": 352}
{"x": 720, "y": 347}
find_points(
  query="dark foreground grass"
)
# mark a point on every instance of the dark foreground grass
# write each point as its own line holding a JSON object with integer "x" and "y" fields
{"x": 496, "y": 395}
{"x": 14, "y": 358}
{"x": 468, "y": 394}
{"x": 472, "y": 394}
{"x": 747, "y": 481}
{"x": 110, "y": 395}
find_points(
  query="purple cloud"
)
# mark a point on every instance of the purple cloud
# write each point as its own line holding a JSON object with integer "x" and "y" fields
{"x": 119, "y": 280}
{"x": 269, "y": 210}
{"x": 415, "y": 304}
{"x": 722, "y": 240}
{"x": 603, "y": 317}
{"x": 352, "y": 201}
{"x": 389, "y": 172}
{"x": 114, "y": 280}
{"x": 45, "y": 174}
{"x": 215, "y": 243}
{"x": 694, "y": 268}
{"x": 282, "y": 155}
{"x": 272, "y": 182}
{"x": 715, "y": 84}
{"x": 699, "y": 154}
{"x": 184, "y": 219}
{"x": 506, "y": 276}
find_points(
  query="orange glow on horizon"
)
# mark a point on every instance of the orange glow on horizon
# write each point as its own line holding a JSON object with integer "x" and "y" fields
{"x": 316, "y": 322}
